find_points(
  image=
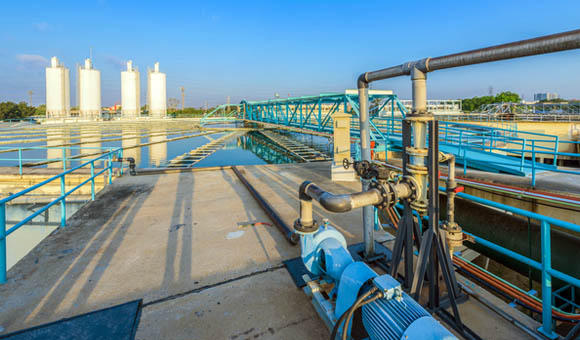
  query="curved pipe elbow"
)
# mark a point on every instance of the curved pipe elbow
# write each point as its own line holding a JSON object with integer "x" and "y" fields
{"x": 335, "y": 203}
{"x": 362, "y": 82}
{"x": 339, "y": 203}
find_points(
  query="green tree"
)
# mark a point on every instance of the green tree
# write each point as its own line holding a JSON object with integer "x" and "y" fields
{"x": 475, "y": 103}
{"x": 9, "y": 110}
{"x": 40, "y": 110}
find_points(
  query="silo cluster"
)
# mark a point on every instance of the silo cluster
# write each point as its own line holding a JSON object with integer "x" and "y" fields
{"x": 89, "y": 92}
{"x": 57, "y": 90}
{"x": 156, "y": 95}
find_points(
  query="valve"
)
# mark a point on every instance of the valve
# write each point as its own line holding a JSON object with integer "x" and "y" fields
{"x": 454, "y": 236}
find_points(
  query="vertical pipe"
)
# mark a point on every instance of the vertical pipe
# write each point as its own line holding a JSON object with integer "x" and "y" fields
{"x": 63, "y": 201}
{"x": 546, "y": 327}
{"x": 3, "y": 268}
{"x": 419, "y": 87}
{"x": 365, "y": 145}
{"x": 451, "y": 190}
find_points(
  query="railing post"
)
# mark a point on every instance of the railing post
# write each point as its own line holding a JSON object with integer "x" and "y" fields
{"x": 556, "y": 150}
{"x": 63, "y": 201}
{"x": 20, "y": 161}
{"x": 546, "y": 327}
{"x": 3, "y": 268}
{"x": 120, "y": 155}
{"x": 110, "y": 160}
{"x": 523, "y": 155}
{"x": 92, "y": 180}
{"x": 64, "y": 158}
{"x": 533, "y": 163}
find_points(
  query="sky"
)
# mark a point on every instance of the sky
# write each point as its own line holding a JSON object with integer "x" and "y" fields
{"x": 252, "y": 49}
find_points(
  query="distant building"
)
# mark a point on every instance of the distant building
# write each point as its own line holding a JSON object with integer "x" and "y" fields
{"x": 545, "y": 96}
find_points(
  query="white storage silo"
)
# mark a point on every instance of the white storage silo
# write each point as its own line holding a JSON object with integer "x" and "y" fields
{"x": 157, "y": 96}
{"x": 57, "y": 90}
{"x": 130, "y": 92}
{"x": 89, "y": 85}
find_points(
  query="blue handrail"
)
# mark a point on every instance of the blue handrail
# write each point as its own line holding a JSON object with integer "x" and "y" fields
{"x": 108, "y": 157}
{"x": 62, "y": 150}
{"x": 545, "y": 265}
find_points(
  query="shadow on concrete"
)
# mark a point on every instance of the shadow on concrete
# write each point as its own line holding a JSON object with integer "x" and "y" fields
{"x": 180, "y": 227}
{"x": 109, "y": 217}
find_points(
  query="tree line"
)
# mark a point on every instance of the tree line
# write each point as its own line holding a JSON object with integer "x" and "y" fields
{"x": 475, "y": 103}
{"x": 11, "y": 110}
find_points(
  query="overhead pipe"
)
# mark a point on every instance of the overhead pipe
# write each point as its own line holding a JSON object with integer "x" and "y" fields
{"x": 418, "y": 69}
{"x": 547, "y": 44}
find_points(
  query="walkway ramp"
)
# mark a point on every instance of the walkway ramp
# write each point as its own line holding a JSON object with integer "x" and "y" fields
{"x": 297, "y": 149}
{"x": 191, "y": 158}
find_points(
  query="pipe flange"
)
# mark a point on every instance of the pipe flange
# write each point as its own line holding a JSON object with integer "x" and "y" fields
{"x": 416, "y": 151}
{"x": 420, "y": 207}
{"x": 299, "y": 228}
{"x": 417, "y": 169}
{"x": 414, "y": 186}
{"x": 388, "y": 194}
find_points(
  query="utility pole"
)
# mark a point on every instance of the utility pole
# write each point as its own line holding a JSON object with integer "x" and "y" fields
{"x": 182, "y": 98}
{"x": 228, "y": 104}
{"x": 30, "y": 93}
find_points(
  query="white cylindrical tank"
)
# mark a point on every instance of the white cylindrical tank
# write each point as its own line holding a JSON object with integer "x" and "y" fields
{"x": 157, "y": 96}
{"x": 130, "y": 92}
{"x": 57, "y": 90}
{"x": 89, "y": 91}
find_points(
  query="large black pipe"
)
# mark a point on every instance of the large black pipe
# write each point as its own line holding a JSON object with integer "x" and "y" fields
{"x": 288, "y": 233}
{"x": 541, "y": 45}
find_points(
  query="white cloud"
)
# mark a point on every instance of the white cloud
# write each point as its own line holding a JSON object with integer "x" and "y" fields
{"x": 43, "y": 26}
{"x": 32, "y": 60}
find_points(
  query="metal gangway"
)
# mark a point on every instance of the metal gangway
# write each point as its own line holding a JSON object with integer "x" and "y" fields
{"x": 301, "y": 151}
{"x": 481, "y": 147}
{"x": 191, "y": 158}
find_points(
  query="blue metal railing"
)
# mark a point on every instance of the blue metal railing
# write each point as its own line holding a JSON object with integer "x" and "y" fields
{"x": 22, "y": 160}
{"x": 545, "y": 265}
{"x": 107, "y": 157}
{"x": 497, "y": 148}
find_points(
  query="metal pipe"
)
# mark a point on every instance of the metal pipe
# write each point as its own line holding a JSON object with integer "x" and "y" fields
{"x": 368, "y": 213}
{"x": 338, "y": 203}
{"x": 419, "y": 128}
{"x": 547, "y": 44}
{"x": 451, "y": 185}
{"x": 290, "y": 235}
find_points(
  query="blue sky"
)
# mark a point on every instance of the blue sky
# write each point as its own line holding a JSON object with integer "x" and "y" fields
{"x": 252, "y": 50}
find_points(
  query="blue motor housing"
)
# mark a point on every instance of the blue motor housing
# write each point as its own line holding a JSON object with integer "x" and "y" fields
{"x": 401, "y": 318}
{"x": 395, "y": 316}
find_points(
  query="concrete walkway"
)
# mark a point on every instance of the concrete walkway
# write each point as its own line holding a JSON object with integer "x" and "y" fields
{"x": 176, "y": 241}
